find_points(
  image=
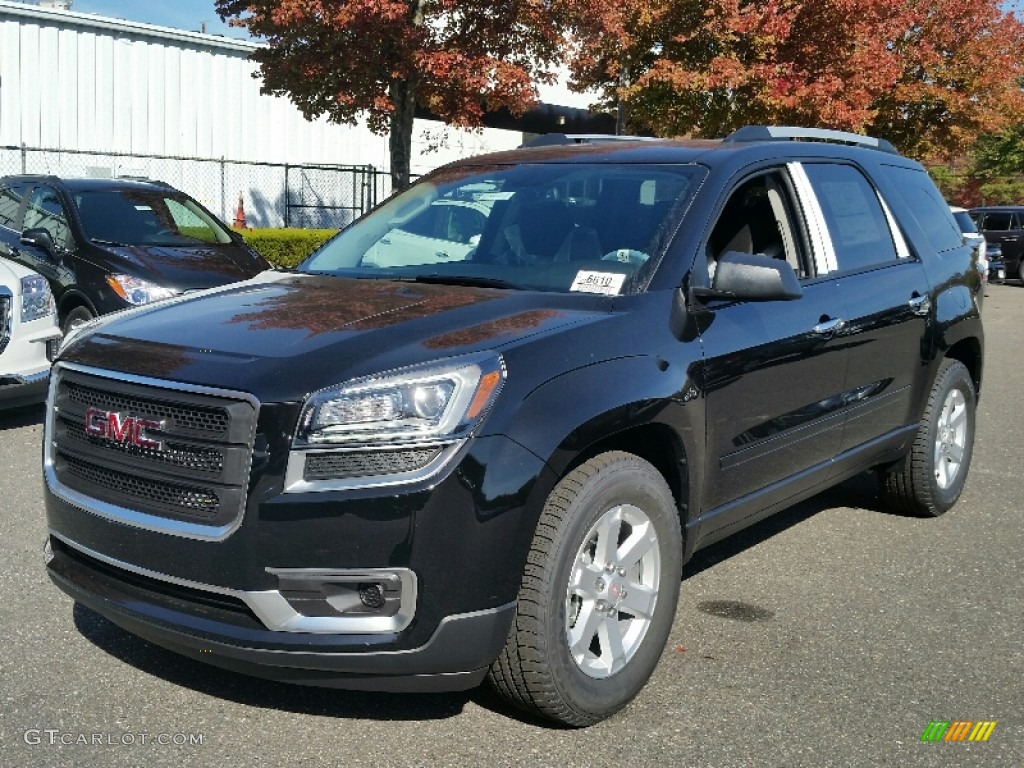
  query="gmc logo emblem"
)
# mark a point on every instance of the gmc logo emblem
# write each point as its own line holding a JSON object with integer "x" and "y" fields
{"x": 122, "y": 429}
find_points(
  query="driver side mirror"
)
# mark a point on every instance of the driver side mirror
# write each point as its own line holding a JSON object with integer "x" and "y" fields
{"x": 40, "y": 238}
{"x": 752, "y": 277}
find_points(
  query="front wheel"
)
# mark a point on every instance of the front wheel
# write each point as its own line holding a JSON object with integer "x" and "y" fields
{"x": 598, "y": 595}
{"x": 930, "y": 479}
{"x": 76, "y": 318}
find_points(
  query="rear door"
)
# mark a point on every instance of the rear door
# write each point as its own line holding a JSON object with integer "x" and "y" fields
{"x": 885, "y": 293}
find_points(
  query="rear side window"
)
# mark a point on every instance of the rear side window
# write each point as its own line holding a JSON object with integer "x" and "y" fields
{"x": 853, "y": 214}
{"x": 930, "y": 210}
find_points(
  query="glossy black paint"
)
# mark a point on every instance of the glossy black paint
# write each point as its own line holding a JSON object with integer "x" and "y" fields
{"x": 77, "y": 275}
{"x": 744, "y": 406}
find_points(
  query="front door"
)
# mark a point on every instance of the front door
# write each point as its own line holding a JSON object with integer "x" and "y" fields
{"x": 774, "y": 371}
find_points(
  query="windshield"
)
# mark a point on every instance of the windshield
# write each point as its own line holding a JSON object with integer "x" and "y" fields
{"x": 598, "y": 228}
{"x": 147, "y": 217}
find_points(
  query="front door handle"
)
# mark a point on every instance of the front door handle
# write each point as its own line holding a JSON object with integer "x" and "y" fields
{"x": 920, "y": 305}
{"x": 829, "y": 328}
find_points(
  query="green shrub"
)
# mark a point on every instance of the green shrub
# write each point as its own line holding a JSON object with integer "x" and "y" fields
{"x": 286, "y": 247}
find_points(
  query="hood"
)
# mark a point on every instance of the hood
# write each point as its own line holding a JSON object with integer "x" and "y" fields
{"x": 281, "y": 336}
{"x": 183, "y": 267}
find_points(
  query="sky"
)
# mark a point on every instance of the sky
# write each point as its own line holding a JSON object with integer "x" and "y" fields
{"x": 180, "y": 14}
{"x": 191, "y": 14}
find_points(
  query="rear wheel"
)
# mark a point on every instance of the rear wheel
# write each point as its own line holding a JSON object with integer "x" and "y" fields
{"x": 930, "y": 479}
{"x": 598, "y": 595}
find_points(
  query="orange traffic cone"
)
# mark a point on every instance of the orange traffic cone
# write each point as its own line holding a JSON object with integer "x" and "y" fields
{"x": 240, "y": 214}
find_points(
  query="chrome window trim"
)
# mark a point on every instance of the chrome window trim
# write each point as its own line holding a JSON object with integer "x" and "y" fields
{"x": 125, "y": 515}
{"x": 821, "y": 242}
{"x": 902, "y": 249}
{"x": 295, "y": 482}
{"x": 275, "y": 611}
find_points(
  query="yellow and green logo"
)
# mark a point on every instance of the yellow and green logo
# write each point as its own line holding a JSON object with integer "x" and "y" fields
{"x": 958, "y": 730}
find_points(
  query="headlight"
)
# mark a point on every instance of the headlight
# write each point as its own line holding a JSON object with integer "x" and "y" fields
{"x": 442, "y": 400}
{"x": 36, "y": 299}
{"x": 137, "y": 291}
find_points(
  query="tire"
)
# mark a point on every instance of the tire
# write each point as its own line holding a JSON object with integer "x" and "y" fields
{"x": 930, "y": 478}
{"x": 578, "y": 674}
{"x": 76, "y": 317}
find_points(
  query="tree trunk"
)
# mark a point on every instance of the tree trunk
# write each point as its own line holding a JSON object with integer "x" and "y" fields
{"x": 403, "y": 96}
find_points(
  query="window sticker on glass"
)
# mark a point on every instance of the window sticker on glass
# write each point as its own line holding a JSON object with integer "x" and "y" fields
{"x": 143, "y": 208}
{"x": 607, "y": 283}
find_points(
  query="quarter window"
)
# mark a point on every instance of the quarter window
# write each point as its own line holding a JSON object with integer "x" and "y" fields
{"x": 928, "y": 207}
{"x": 854, "y": 216}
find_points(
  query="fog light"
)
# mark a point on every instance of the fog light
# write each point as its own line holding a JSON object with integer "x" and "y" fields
{"x": 372, "y": 595}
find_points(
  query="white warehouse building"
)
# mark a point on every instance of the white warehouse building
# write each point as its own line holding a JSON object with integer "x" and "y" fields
{"x": 82, "y": 94}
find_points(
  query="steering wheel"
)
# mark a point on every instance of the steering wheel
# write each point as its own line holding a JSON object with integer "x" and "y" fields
{"x": 626, "y": 256}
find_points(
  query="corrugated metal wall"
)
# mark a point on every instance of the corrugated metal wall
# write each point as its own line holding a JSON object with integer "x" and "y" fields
{"x": 82, "y": 82}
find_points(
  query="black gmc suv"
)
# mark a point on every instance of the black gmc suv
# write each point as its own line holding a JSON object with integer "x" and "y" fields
{"x": 433, "y": 455}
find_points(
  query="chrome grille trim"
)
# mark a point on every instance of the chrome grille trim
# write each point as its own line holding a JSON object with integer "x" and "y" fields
{"x": 121, "y": 514}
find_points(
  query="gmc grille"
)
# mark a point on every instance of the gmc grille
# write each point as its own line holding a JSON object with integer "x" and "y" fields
{"x": 193, "y": 468}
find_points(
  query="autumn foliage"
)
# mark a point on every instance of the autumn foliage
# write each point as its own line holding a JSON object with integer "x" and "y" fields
{"x": 379, "y": 59}
{"x": 930, "y": 75}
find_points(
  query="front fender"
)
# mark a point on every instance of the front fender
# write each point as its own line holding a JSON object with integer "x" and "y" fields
{"x": 561, "y": 419}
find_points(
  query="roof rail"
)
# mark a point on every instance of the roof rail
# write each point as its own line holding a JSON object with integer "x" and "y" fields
{"x": 793, "y": 133}
{"x": 563, "y": 139}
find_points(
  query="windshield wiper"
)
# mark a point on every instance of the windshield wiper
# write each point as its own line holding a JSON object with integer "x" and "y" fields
{"x": 115, "y": 243}
{"x": 478, "y": 282}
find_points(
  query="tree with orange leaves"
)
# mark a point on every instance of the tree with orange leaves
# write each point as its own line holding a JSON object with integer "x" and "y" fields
{"x": 380, "y": 59}
{"x": 930, "y": 75}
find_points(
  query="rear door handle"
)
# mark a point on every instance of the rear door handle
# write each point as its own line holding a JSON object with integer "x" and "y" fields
{"x": 920, "y": 305}
{"x": 829, "y": 328}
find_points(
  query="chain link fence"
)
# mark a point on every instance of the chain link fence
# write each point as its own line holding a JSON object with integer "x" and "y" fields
{"x": 272, "y": 194}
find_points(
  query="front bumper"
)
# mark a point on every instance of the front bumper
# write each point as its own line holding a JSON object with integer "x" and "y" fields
{"x": 455, "y": 657}
{"x": 23, "y": 389}
{"x": 25, "y": 363}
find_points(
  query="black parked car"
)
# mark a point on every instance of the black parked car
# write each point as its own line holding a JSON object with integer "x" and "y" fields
{"x": 109, "y": 244}
{"x": 492, "y": 461}
{"x": 1004, "y": 225}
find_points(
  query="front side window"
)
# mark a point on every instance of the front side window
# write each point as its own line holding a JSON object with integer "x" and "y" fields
{"x": 11, "y": 196}
{"x": 45, "y": 211}
{"x": 539, "y": 227}
{"x": 759, "y": 219}
{"x": 856, "y": 221}
{"x": 146, "y": 217}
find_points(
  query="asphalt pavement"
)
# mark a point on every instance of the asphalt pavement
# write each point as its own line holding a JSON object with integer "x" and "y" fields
{"x": 830, "y": 635}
